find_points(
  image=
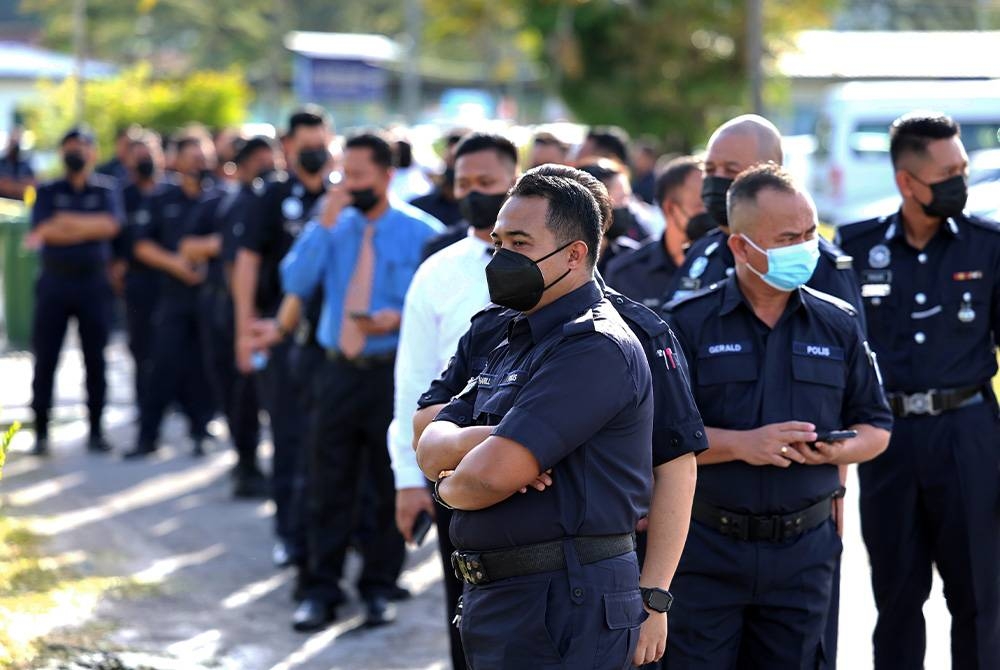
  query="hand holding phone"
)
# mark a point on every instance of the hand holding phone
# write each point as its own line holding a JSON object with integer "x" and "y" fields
{"x": 830, "y": 436}
{"x": 421, "y": 526}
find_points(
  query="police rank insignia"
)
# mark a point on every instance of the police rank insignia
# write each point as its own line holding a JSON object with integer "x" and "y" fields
{"x": 965, "y": 313}
{"x": 879, "y": 257}
{"x": 291, "y": 208}
{"x": 698, "y": 267}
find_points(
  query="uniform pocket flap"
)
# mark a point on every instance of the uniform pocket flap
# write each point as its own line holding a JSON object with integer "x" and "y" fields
{"x": 624, "y": 609}
{"x": 818, "y": 371}
{"x": 726, "y": 369}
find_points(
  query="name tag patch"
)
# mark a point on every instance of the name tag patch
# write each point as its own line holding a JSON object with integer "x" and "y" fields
{"x": 818, "y": 351}
{"x": 485, "y": 380}
{"x": 724, "y": 349}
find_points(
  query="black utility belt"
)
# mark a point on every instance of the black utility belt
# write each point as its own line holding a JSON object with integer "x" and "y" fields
{"x": 361, "y": 362}
{"x": 479, "y": 568}
{"x": 935, "y": 401}
{"x": 65, "y": 269}
{"x": 764, "y": 528}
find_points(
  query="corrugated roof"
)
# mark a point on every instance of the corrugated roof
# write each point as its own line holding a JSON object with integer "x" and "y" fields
{"x": 829, "y": 54}
{"x": 24, "y": 61}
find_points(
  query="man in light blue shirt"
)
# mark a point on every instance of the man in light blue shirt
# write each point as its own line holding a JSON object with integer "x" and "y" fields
{"x": 362, "y": 252}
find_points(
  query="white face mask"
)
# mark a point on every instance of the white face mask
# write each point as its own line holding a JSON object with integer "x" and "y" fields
{"x": 790, "y": 267}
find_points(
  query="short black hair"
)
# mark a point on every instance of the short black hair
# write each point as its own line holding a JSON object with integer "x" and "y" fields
{"x": 573, "y": 212}
{"x": 673, "y": 176}
{"x": 476, "y": 142}
{"x": 912, "y": 132}
{"x": 588, "y": 181}
{"x": 186, "y": 141}
{"x": 611, "y": 141}
{"x": 81, "y": 133}
{"x": 404, "y": 154}
{"x": 244, "y": 149}
{"x": 309, "y": 116}
{"x": 380, "y": 149}
{"x": 752, "y": 181}
{"x": 605, "y": 170}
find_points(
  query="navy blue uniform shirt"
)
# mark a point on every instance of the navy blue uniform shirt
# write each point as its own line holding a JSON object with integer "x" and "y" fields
{"x": 571, "y": 385}
{"x": 709, "y": 261}
{"x": 15, "y": 168}
{"x": 172, "y": 216}
{"x": 644, "y": 274}
{"x": 98, "y": 195}
{"x": 272, "y": 226}
{"x": 137, "y": 214}
{"x": 812, "y": 366}
{"x": 677, "y": 425}
{"x": 933, "y": 314}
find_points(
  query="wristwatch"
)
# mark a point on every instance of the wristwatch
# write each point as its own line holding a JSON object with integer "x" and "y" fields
{"x": 657, "y": 600}
{"x": 436, "y": 495}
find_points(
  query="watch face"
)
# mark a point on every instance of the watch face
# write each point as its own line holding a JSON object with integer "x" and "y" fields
{"x": 659, "y": 600}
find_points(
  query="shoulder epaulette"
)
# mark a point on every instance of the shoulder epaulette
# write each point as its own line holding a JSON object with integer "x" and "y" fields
{"x": 690, "y": 297}
{"x": 832, "y": 299}
{"x": 850, "y": 230}
{"x": 580, "y": 325}
{"x": 840, "y": 260}
{"x": 985, "y": 224}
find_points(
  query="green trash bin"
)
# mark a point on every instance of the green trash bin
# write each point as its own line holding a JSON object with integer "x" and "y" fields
{"x": 20, "y": 267}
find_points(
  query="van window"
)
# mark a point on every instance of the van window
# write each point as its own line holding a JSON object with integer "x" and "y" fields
{"x": 872, "y": 138}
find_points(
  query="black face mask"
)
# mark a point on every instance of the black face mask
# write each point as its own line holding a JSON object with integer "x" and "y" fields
{"x": 364, "y": 199}
{"x": 713, "y": 194}
{"x": 74, "y": 161}
{"x": 622, "y": 221}
{"x": 145, "y": 169}
{"x": 481, "y": 210}
{"x": 516, "y": 281}
{"x": 312, "y": 160}
{"x": 699, "y": 225}
{"x": 948, "y": 197}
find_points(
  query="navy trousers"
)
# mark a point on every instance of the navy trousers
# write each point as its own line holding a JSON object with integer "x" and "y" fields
{"x": 586, "y": 616}
{"x": 86, "y": 298}
{"x": 761, "y": 605}
{"x": 142, "y": 290}
{"x": 933, "y": 498}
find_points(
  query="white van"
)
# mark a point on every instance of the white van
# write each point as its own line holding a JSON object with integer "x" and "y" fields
{"x": 851, "y": 166}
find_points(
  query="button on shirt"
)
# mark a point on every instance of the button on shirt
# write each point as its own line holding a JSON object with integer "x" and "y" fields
{"x": 643, "y": 275}
{"x": 583, "y": 408}
{"x": 709, "y": 260}
{"x": 97, "y": 196}
{"x": 812, "y": 366}
{"x": 327, "y": 257}
{"x": 933, "y": 313}
{"x": 677, "y": 425}
{"x": 446, "y": 291}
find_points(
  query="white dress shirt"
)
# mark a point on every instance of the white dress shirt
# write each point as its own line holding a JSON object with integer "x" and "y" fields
{"x": 447, "y": 290}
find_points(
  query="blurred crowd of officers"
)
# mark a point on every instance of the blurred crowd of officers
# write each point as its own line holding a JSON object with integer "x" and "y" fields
{"x": 655, "y": 374}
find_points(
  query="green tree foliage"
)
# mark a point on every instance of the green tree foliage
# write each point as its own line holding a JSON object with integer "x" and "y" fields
{"x": 215, "y": 99}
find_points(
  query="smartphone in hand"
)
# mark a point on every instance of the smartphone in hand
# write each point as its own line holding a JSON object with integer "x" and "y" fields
{"x": 421, "y": 526}
{"x": 834, "y": 436}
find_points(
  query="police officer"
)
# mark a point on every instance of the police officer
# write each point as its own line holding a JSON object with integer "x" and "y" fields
{"x": 73, "y": 220}
{"x": 645, "y": 275}
{"x": 215, "y": 240}
{"x": 141, "y": 282}
{"x": 930, "y": 277}
{"x": 271, "y": 228}
{"x": 678, "y": 432}
{"x": 550, "y": 580}
{"x": 16, "y": 174}
{"x": 117, "y": 167}
{"x": 736, "y": 145}
{"x": 774, "y": 367}
{"x": 363, "y": 249}
{"x": 177, "y": 369}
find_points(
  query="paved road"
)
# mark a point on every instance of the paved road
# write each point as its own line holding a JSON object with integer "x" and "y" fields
{"x": 220, "y": 602}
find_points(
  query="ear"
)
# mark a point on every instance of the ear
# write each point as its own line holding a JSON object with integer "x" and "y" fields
{"x": 738, "y": 246}
{"x": 904, "y": 182}
{"x": 578, "y": 254}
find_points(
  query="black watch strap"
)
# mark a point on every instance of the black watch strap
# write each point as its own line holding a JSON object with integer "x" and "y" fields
{"x": 437, "y": 495}
{"x": 657, "y": 600}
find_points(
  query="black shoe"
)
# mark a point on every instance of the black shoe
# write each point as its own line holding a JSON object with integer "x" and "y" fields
{"x": 251, "y": 484}
{"x": 98, "y": 445}
{"x": 398, "y": 594}
{"x": 379, "y": 612}
{"x": 281, "y": 554}
{"x": 198, "y": 448}
{"x": 141, "y": 450}
{"x": 41, "y": 447}
{"x": 312, "y": 614}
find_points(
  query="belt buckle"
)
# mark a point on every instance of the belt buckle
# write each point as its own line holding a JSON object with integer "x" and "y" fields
{"x": 469, "y": 568}
{"x": 766, "y": 528}
{"x": 920, "y": 403}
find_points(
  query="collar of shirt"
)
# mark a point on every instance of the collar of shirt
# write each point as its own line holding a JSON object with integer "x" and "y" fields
{"x": 562, "y": 310}
{"x": 732, "y": 297}
{"x": 895, "y": 230}
{"x": 660, "y": 258}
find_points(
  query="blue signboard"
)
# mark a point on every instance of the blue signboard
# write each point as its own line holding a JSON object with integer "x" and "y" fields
{"x": 341, "y": 80}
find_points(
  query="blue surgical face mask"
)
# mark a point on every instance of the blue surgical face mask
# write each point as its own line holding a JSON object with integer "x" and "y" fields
{"x": 790, "y": 267}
